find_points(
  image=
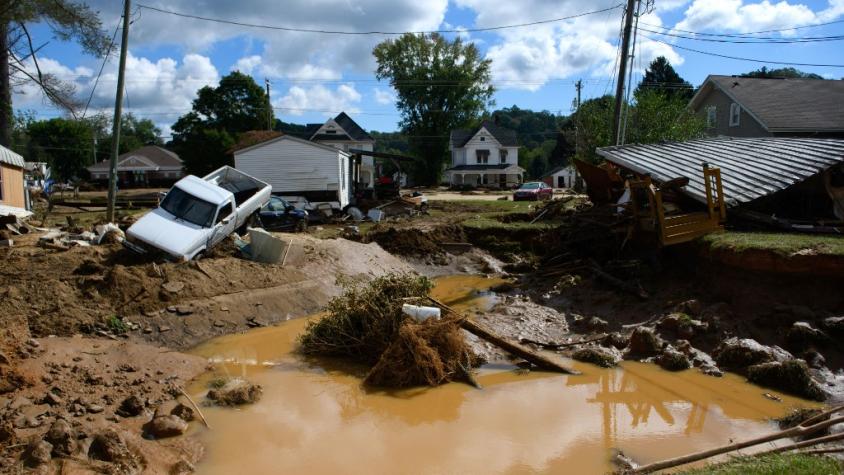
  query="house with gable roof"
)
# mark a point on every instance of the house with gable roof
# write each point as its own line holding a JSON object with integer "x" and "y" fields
{"x": 149, "y": 165}
{"x": 487, "y": 155}
{"x": 343, "y": 133}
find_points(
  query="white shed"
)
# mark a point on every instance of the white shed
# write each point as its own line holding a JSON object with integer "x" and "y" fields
{"x": 294, "y": 166}
{"x": 561, "y": 177}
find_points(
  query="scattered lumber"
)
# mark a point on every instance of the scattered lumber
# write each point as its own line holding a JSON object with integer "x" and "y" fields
{"x": 808, "y": 427}
{"x": 528, "y": 355}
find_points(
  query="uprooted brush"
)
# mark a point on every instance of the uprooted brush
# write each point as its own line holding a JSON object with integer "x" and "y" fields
{"x": 366, "y": 324}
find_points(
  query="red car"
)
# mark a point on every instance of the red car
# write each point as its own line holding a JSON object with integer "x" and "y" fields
{"x": 534, "y": 190}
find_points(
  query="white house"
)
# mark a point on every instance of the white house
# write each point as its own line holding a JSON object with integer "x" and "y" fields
{"x": 561, "y": 177}
{"x": 485, "y": 155}
{"x": 295, "y": 166}
{"x": 345, "y": 134}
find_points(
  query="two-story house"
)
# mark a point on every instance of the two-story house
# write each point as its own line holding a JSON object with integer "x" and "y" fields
{"x": 763, "y": 107}
{"x": 486, "y": 155}
{"x": 345, "y": 134}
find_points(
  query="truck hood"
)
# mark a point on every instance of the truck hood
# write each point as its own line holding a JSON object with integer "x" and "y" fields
{"x": 174, "y": 236}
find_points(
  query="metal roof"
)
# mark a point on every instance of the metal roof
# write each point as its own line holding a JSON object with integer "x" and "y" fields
{"x": 10, "y": 157}
{"x": 750, "y": 167}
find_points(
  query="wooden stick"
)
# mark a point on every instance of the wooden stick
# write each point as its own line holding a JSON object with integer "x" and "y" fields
{"x": 192, "y": 403}
{"x": 806, "y": 443}
{"x": 286, "y": 251}
{"x": 796, "y": 431}
{"x": 557, "y": 346}
{"x": 532, "y": 357}
{"x": 539, "y": 216}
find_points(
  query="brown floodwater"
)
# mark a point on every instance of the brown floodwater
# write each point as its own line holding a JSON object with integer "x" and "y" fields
{"x": 316, "y": 417}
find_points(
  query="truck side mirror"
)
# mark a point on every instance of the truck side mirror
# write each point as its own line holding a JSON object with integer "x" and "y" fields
{"x": 226, "y": 221}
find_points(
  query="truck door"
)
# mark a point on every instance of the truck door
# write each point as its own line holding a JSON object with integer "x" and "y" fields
{"x": 223, "y": 224}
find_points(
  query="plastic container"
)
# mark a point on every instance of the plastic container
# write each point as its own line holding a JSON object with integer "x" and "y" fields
{"x": 420, "y": 314}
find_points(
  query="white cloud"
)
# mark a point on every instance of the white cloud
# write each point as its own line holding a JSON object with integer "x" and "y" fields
{"x": 247, "y": 64}
{"x": 384, "y": 96}
{"x": 320, "y": 99}
{"x": 736, "y": 15}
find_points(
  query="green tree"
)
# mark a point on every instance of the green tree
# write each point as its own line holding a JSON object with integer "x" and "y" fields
{"x": 661, "y": 76}
{"x": 563, "y": 150}
{"x": 537, "y": 167}
{"x": 442, "y": 85}
{"x": 203, "y": 136}
{"x": 68, "y": 20}
{"x": 780, "y": 73}
{"x": 65, "y": 144}
{"x": 134, "y": 134}
{"x": 660, "y": 117}
{"x": 594, "y": 121}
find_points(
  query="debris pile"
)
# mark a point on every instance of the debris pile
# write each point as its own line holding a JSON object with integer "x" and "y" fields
{"x": 366, "y": 323}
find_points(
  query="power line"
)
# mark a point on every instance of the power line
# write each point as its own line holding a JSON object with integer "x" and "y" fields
{"x": 361, "y": 33}
{"x": 738, "y": 58}
{"x": 751, "y": 39}
{"x": 738, "y": 35}
{"x": 102, "y": 66}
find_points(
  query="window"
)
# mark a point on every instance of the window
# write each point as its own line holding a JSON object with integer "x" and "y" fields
{"x": 735, "y": 114}
{"x": 225, "y": 211}
{"x": 483, "y": 139}
{"x": 503, "y": 155}
{"x": 711, "y": 117}
{"x": 482, "y": 156}
{"x": 185, "y": 206}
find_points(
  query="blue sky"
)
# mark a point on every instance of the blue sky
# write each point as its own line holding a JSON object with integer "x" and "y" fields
{"x": 314, "y": 76}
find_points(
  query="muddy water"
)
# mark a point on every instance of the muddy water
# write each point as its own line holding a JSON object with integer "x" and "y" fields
{"x": 315, "y": 417}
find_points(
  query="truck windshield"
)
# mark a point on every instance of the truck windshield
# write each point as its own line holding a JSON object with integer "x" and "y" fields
{"x": 185, "y": 206}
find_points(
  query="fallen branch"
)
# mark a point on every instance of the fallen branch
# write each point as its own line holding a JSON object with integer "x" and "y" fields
{"x": 532, "y": 357}
{"x": 195, "y": 406}
{"x": 557, "y": 346}
{"x": 806, "y": 443}
{"x": 808, "y": 427}
{"x": 539, "y": 216}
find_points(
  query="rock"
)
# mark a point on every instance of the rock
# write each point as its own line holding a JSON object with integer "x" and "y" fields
{"x": 615, "y": 340}
{"x": 791, "y": 376}
{"x": 711, "y": 370}
{"x": 673, "y": 360}
{"x": 173, "y": 286}
{"x": 184, "y": 310}
{"x": 596, "y": 324}
{"x": 739, "y": 353}
{"x": 19, "y": 402}
{"x": 4, "y": 360}
{"x": 131, "y": 406}
{"x": 182, "y": 467}
{"x": 596, "y": 356}
{"x": 62, "y": 437}
{"x": 33, "y": 343}
{"x": 165, "y": 426}
{"x": 834, "y": 325}
{"x": 683, "y": 325}
{"x": 38, "y": 453}
{"x": 183, "y": 412}
{"x": 109, "y": 446}
{"x": 644, "y": 342}
{"x": 814, "y": 359}
{"x": 219, "y": 323}
{"x": 802, "y": 335}
{"x": 236, "y": 392}
{"x": 52, "y": 399}
{"x": 163, "y": 328}
{"x": 7, "y": 434}
{"x": 95, "y": 408}
{"x": 691, "y": 307}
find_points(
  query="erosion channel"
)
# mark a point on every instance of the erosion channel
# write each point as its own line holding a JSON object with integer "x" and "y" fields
{"x": 316, "y": 416}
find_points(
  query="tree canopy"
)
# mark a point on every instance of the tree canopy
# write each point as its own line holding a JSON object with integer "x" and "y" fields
{"x": 661, "y": 77}
{"x": 203, "y": 136}
{"x": 780, "y": 73}
{"x": 67, "y": 145}
{"x": 68, "y": 20}
{"x": 441, "y": 85}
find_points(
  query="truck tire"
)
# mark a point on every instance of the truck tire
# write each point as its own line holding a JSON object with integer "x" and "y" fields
{"x": 251, "y": 222}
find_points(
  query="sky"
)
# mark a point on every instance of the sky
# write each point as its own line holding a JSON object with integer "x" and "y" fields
{"x": 315, "y": 76}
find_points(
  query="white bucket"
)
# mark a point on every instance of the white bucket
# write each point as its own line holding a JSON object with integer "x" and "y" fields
{"x": 420, "y": 314}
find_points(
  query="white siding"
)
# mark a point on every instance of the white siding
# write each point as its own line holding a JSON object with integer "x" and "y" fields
{"x": 467, "y": 155}
{"x": 290, "y": 165}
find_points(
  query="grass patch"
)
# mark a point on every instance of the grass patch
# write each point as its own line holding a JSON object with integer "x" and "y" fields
{"x": 780, "y": 243}
{"x": 774, "y": 464}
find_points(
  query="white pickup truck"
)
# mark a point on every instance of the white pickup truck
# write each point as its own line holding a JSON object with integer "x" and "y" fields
{"x": 198, "y": 213}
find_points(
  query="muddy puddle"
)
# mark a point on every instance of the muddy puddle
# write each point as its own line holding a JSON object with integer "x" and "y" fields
{"x": 316, "y": 417}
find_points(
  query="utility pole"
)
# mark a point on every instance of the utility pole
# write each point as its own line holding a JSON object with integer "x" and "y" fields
{"x": 269, "y": 106}
{"x": 622, "y": 71}
{"x": 578, "y": 85}
{"x": 118, "y": 109}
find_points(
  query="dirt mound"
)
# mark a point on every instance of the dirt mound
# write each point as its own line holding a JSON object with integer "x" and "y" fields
{"x": 415, "y": 242}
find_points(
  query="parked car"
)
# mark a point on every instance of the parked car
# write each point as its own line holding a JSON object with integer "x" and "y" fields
{"x": 280, "y": 215}
{"x": 198, "y": 213}
{"x": 533, "y": 190}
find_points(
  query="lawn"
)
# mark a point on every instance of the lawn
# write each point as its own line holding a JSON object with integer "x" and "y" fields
{"x": 775, "y": 464}
{"x": 780, "y": 243}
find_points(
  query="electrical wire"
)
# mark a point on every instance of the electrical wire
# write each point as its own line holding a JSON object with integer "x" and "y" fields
{"x": 738, "y": 35}
{"x": 102, "y": 66}
{"x": 361, "y": 33}
{"x": 753, "y": 40}
{"x": 738, "y": 58}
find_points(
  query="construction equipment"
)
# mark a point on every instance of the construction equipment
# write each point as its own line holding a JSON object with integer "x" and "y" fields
{"x": 649, "y": 209}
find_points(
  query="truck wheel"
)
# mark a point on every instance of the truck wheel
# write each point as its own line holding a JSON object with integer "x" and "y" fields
{"x": 251, "y": 222}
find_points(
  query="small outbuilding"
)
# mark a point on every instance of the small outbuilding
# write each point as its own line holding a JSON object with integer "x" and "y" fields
{"x": 12, "y": 190}
{"x": 561, "y": 177}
